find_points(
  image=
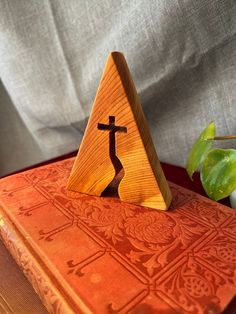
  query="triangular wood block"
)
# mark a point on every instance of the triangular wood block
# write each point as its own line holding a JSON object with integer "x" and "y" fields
{"x": 117, "y": 135}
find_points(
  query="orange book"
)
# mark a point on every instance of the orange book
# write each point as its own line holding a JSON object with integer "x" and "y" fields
{"x": 87, "y": 254}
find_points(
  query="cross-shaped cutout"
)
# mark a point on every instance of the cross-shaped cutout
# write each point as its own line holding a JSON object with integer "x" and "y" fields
{"x": 111, "y": 126}
{"x": 112, "y": 188}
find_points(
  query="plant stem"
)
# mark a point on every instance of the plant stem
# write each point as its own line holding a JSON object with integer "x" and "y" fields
{"x": 227, "y": 137}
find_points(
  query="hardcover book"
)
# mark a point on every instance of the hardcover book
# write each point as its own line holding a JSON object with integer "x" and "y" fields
{"x": 88, "y": 254}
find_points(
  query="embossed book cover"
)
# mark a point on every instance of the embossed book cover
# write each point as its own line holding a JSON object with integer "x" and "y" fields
{"x": 85, "y": 254}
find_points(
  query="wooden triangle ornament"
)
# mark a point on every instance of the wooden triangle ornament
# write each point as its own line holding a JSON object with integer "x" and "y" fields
{"x": 117, "y": 145}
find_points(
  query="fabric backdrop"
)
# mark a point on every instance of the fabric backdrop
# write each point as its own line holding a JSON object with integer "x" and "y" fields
{"x": 182, "y": 55}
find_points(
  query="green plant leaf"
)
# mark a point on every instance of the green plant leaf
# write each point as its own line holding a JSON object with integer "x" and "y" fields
{"x": 218, "y": 173}
{"x": 200, "y": 149}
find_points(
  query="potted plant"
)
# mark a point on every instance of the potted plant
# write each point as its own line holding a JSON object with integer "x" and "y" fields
{"x": 217, "y": 166}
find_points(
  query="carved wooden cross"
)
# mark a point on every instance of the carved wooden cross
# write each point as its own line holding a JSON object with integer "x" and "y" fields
{"x": 112, "y": 128}
{"x": 130, "y": 145}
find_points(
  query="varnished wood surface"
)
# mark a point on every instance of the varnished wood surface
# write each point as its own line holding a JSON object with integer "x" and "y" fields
{"x": 117, "y": 102}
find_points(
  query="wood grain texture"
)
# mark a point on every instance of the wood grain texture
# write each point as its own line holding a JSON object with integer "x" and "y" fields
{"x": 128, "y": 143}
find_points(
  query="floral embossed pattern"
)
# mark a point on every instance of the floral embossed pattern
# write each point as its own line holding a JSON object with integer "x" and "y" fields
{"x": 118, "y": 257}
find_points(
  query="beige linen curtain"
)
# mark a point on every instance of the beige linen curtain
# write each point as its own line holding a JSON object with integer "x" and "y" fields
{"x": 182, "y": 55}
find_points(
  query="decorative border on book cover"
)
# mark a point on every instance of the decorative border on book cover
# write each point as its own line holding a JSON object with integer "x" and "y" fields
{"x": 48, "y": 294}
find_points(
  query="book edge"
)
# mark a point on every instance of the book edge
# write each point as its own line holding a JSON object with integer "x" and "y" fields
{"x": 50, "y": 296}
